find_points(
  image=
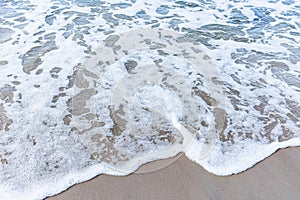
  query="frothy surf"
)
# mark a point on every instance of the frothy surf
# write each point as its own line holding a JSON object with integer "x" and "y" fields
{"x": 94, "y": 87}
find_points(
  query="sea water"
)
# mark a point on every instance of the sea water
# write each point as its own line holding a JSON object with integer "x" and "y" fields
{"x": 101, "y": 87}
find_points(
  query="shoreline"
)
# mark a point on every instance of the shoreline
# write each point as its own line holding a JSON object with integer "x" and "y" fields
{"x": 276, "y": 177}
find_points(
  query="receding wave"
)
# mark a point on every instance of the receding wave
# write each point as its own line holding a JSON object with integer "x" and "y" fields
{"x": 102, "y": 87}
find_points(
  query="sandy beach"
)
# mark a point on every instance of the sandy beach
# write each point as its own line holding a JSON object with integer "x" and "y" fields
{"x": 96, "y": 87}
{"x": 276, "y": 177}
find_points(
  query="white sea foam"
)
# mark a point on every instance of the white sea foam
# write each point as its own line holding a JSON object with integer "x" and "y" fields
{"x": 50, "y": 52}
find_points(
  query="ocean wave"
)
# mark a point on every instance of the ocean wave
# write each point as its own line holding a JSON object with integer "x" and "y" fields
{"x": 102, "y": 87}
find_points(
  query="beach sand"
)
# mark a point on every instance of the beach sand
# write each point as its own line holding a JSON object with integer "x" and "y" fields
{"x": 277, "y": 177}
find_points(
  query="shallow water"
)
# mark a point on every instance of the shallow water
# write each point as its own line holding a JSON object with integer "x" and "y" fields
{"x": 92, "y": 87}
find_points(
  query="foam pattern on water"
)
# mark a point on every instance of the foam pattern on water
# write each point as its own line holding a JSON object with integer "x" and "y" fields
{"x": 47, "y": 59}
{"x": 156, "y": 97}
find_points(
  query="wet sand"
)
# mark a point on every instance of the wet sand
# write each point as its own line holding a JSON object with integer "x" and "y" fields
{"x": 277, "y": 177}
